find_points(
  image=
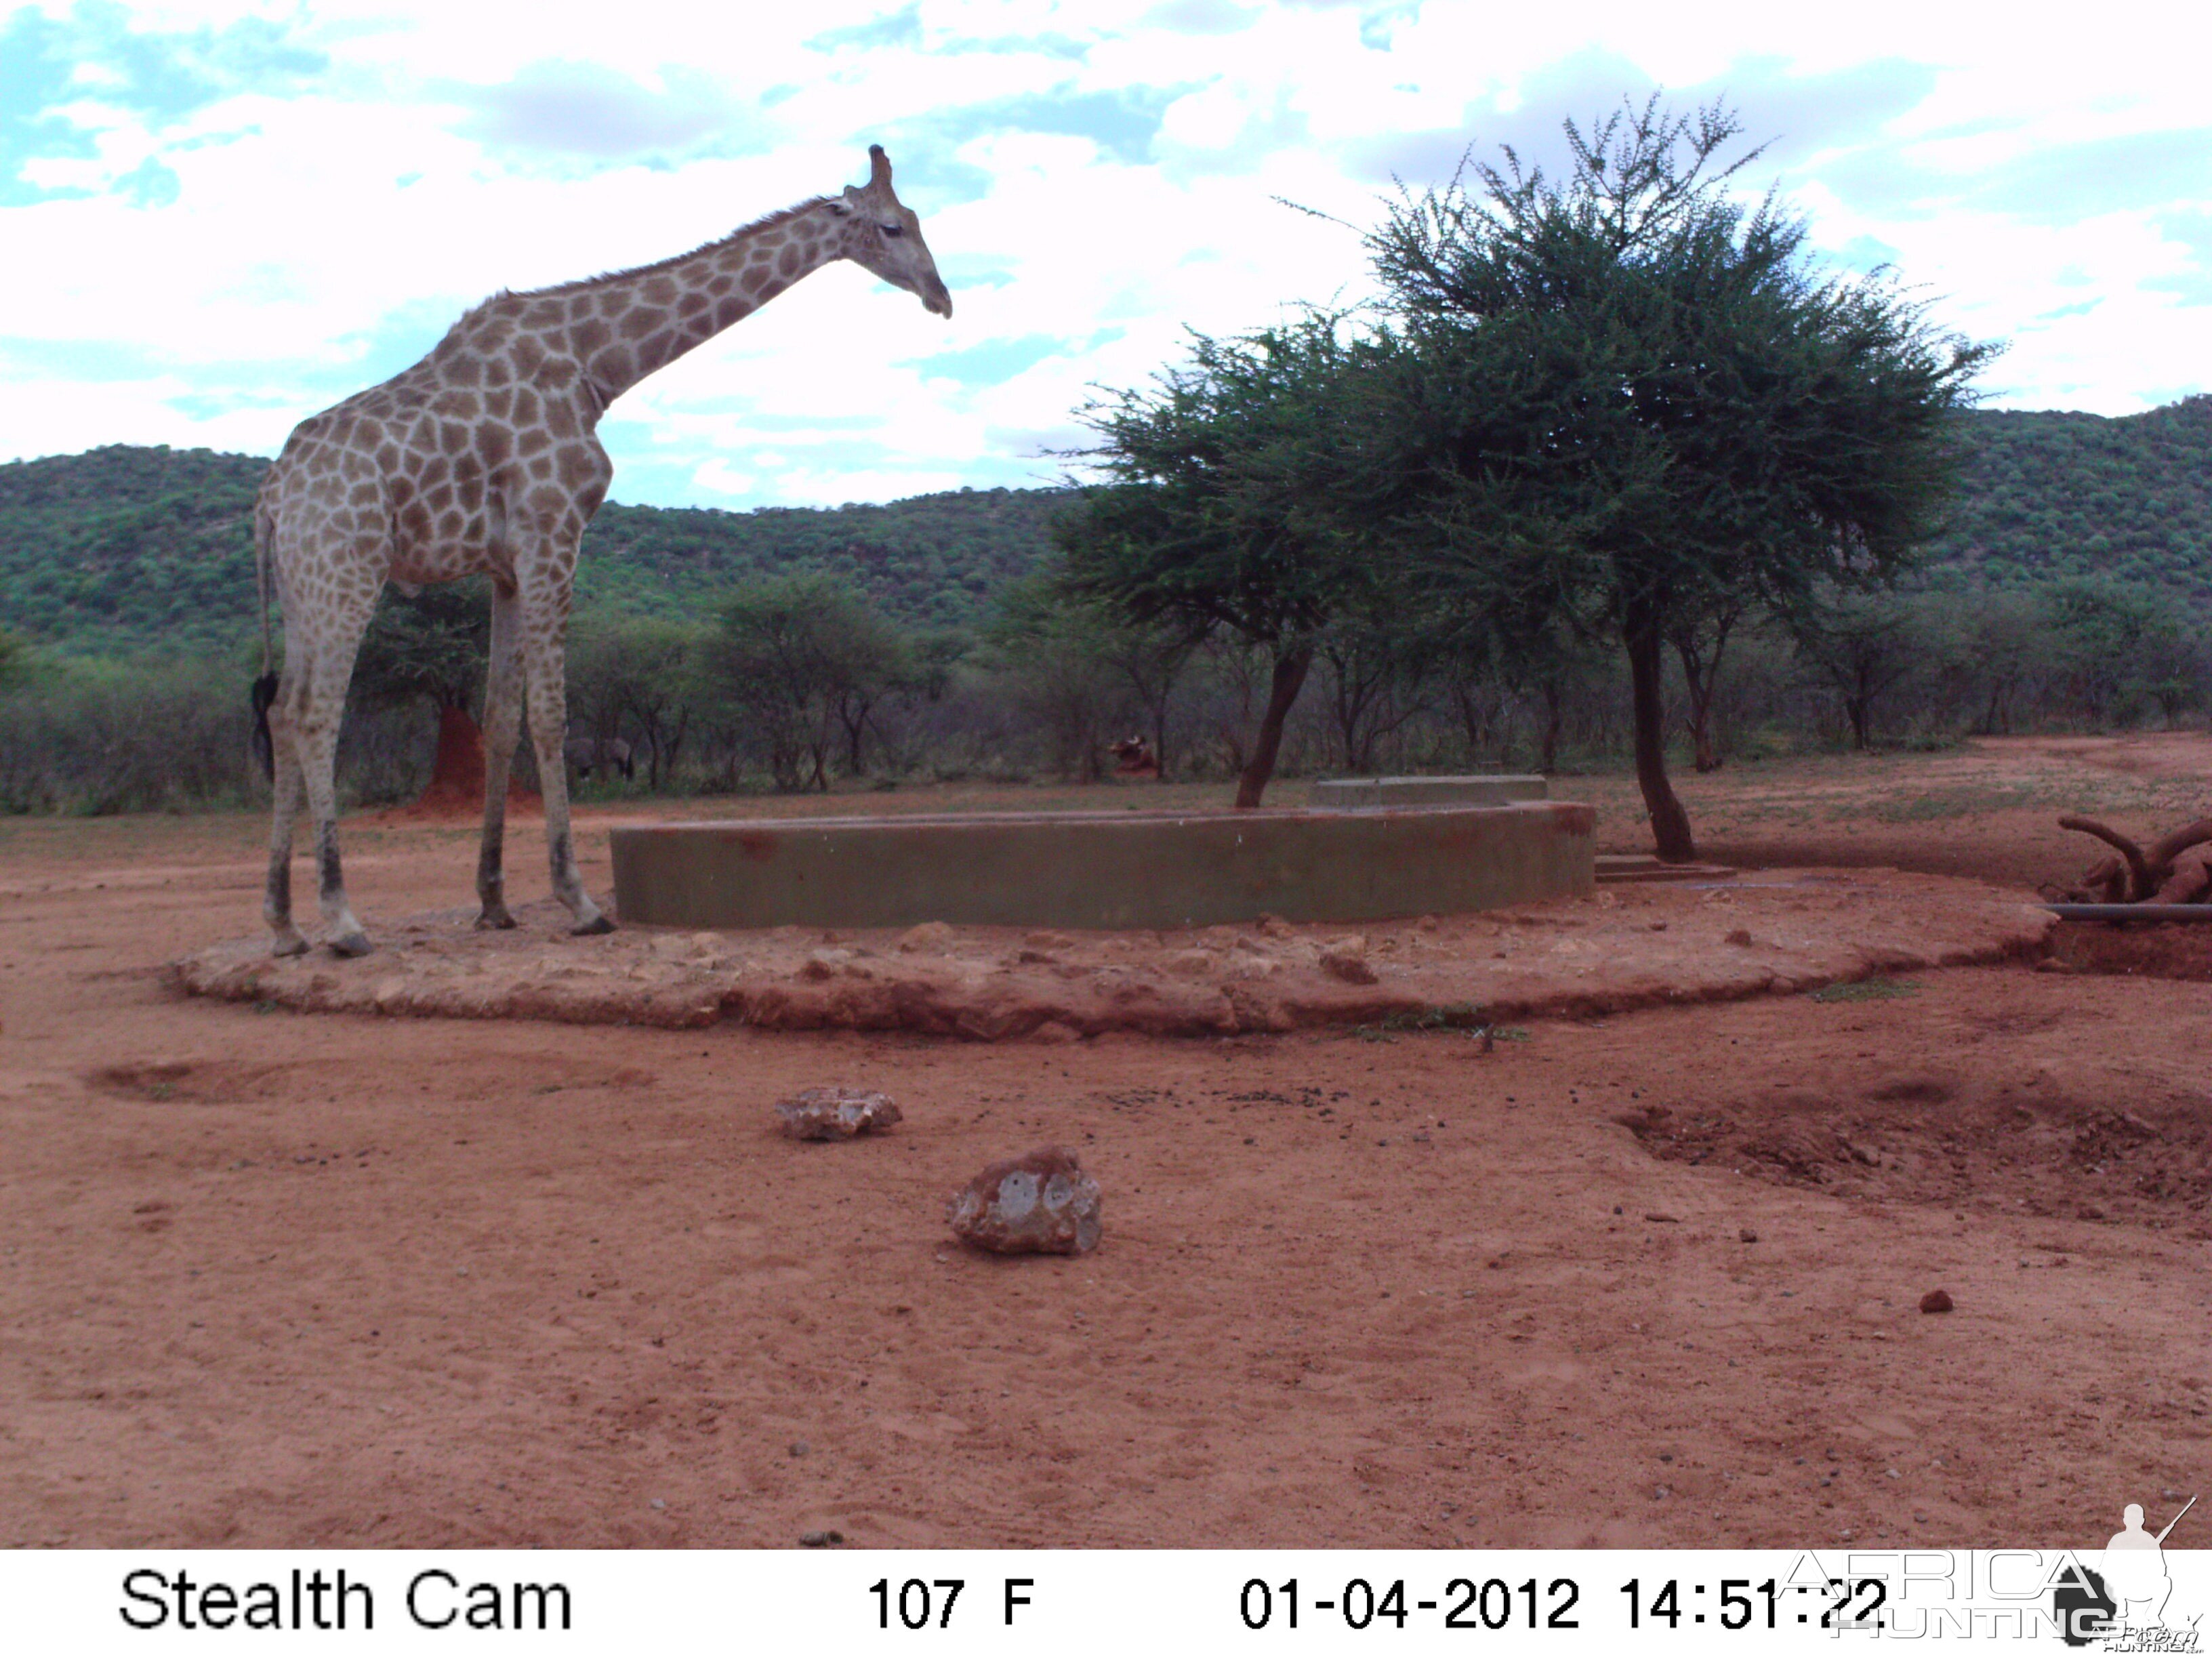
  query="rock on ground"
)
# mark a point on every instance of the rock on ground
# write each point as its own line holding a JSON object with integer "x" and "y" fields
{"x": 836, "y": 1114}
{"x": 1042, "y": 1204}
{"x": 1346, "y": 959}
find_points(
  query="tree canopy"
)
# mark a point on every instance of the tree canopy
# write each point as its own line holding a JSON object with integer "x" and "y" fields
{"x": 1240, "y": 497}
{"x": 805, "y": 660}
{"x": 1625, "y": 401}
{"x": 1626, "y": 398}
{"x": 428, "y": 644}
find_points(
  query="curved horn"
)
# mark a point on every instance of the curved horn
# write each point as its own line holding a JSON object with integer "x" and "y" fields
{"x": 2174, "y": 845}
{"x": 2139, "y": 883}
{"x": 879, "y": 167}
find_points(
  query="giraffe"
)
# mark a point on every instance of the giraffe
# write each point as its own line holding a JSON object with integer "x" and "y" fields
{"x": 482, "y": 457}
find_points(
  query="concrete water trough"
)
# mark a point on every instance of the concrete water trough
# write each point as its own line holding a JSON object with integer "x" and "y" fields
{"x": 1474, "y": 789}
{"x": 1129, "y": 869}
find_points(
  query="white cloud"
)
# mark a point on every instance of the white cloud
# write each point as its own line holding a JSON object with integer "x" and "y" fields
{"x": 1102, "y": 176}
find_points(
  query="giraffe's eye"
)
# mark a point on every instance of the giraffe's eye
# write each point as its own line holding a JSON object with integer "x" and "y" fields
{"x": 894, "y": 230}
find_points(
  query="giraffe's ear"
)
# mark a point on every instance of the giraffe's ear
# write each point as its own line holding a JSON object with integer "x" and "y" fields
{"x": 842, "y": 208}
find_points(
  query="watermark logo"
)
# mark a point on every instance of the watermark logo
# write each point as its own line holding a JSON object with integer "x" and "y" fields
{"x": 2122, "y": 1599}
{"x": 2122, "y": 1604}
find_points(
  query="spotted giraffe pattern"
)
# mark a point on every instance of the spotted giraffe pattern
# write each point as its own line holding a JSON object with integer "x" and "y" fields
{"x": 483, "y": 458}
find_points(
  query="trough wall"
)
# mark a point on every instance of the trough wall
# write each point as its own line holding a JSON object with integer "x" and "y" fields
{"x": 1102, "y": 869}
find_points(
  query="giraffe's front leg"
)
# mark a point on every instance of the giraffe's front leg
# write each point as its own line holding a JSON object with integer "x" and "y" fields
{"x": 315, "y": 731}
{"x": 549, "y": 726}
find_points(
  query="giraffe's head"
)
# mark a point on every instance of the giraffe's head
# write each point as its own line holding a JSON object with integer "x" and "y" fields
{"x": 885, "y": 238}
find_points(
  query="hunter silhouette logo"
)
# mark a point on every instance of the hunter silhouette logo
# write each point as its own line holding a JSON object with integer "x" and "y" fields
{"x": 2123, "y": 1605}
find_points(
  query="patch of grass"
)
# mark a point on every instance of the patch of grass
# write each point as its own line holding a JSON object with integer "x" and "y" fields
{"x": 1445, "y": 1017}
{"x": 1965, "y": 801}
{"x": 1876, "y": 989}
{"x": 1463, "y": 1017}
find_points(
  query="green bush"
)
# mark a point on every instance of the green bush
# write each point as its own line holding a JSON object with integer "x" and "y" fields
{"x": 91, "y": 736}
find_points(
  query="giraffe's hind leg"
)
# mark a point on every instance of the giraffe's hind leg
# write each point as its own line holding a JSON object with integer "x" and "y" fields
{"x": 318, "y": 711}
{"x": 503, "y": 727}
{"x": 291, "y": 795}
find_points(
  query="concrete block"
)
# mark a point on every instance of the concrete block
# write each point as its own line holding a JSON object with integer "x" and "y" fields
{"x": 1102, "y": 869}
{"x": 1482, "y": 789}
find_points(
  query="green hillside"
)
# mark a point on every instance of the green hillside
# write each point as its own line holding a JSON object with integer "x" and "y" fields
{"x": 125, "y": 549}
{"x": 930, "y": 561}
{"x": 121, "y": 548}
{"x": 2063, "y": 495}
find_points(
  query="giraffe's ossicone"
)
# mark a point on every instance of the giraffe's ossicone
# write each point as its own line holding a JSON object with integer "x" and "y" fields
{"x": 483, "y": 458}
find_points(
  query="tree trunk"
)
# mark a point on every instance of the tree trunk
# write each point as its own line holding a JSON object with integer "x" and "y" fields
{"x": 1284, "y": 685}
{"x": 1349, "y": 706}
{"x": 1701, "y": 673}
{"x": 1858, "y": 707}
{"x": 1701, "y": 677}
{"x": 1670, "y": 824}
{"x": 856, "y": 726}
{"x": 784, "y": 760}
{"x": 675, "y": 747}
{"x": 1703, "y": 750}
{"x": 1473, "y": 717}
{"x": 1555, "y": 704}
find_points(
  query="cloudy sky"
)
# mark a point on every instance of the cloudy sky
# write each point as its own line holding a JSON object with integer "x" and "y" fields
{"x": 215, "y": 219}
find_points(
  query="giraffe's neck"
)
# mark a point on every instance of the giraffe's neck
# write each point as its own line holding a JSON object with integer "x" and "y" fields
{"x": 624, "y": 327}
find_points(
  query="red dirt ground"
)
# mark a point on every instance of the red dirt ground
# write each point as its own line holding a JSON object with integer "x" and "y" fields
{"x": 268, "y": 1279}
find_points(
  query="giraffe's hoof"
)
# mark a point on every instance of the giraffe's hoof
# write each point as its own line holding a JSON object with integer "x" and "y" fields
{"x": 493, "y": 917}
{"x": 351, "y": 944}
{"x": 289, "y": 944}
{"x": 596, "y": 925}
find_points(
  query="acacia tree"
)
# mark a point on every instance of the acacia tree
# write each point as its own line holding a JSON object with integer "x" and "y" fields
{"x": 428, "y": 645}
{"x": 1699, "y": 635}
{"x": 1862, "y": 647}
{"x": 1529, "y": 652}
{"x": 1048, "y": 650}
{"x": 644, "y": 670}
{"x": 1627, "y": 397}
{"x": 1380, "y": 673}
{"x": 1080, "y": 662}
{"x": 806, "y": 660}
{"x": 2115, "y": 646}
{"x": 1237, "y": 501}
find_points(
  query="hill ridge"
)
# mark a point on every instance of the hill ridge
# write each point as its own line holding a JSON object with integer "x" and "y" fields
{"x": 127, "y": 547}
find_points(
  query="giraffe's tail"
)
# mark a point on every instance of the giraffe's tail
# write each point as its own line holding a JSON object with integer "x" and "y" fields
{"x": 264, "y": 688}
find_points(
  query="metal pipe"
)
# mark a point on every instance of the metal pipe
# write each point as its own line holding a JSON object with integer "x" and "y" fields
{"x": 2131, "y": 912}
